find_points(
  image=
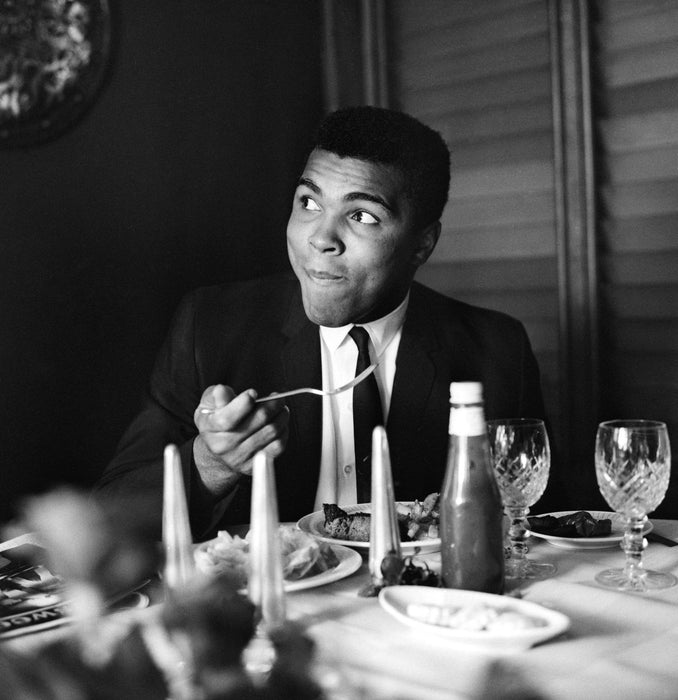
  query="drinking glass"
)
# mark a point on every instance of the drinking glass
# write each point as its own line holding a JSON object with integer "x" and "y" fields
{"x": 633, "y": 465}
{"x": 522, "y": 458}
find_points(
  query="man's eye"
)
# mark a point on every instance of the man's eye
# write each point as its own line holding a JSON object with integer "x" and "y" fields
{"x": 308, "y": 203}
{"x": 364, "y": 217}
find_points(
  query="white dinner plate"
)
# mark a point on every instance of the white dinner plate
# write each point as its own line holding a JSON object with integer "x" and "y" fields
{"x": 349, "y": 562}
{"x": 607, "y": 542}
{"x": 396, "y": 599}
{"x": 313, "y": 523}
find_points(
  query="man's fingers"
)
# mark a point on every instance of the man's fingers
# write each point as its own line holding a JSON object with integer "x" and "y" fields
{"x": 221, "y": 410}
{"x": 222, "y": 395}
{"x": 247, "y": 418}
{"x": 213, "y": 398}
{"x": 271, "y": 437}
{"x": 274, "y": 448}
{"x": 262, "y": 415}
{"x": 238, "y": 449}
{"x": 234, "y": 427}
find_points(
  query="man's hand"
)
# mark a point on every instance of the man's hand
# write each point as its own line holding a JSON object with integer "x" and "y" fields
{"x": 233, "y": 429}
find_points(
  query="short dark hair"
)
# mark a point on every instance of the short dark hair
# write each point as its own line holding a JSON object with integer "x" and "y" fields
{"x": 397, "y": 139}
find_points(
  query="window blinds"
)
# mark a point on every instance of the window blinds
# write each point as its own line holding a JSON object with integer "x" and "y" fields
{"x": 636, "y": 94}
{"x": 480, "y": 74}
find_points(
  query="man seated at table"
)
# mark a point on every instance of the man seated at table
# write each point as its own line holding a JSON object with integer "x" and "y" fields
{"x": 365, "y": 216}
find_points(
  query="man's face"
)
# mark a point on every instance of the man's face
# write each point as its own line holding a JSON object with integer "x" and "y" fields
{"x": 352, "y": 240}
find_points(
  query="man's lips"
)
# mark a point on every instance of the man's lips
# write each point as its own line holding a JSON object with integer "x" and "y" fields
{"x": 323, "y": 276}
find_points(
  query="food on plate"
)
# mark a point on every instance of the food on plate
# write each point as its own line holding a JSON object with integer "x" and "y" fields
{"x": 302, "y": 555}
{"x": 422, "y": 520}
{"x": 477, "y": 618}
{"x": 225, "y": 554}
{"x": 344, "y": 526}
{"x": 416, "y": 522}
{"x": 579, "y": 524}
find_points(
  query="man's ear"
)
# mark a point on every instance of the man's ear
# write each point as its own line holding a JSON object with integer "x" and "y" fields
{"x": 427, "y": 238}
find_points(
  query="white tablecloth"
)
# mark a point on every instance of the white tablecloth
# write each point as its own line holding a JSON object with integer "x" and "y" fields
{"x": 619, "y": 645}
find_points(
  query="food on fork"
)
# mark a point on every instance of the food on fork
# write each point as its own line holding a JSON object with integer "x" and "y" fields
{"x": 419, "y": 521}
{"x": 578, "y": 524}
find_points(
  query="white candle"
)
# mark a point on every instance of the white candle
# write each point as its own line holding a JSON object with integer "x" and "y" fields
{"x": 176, "y": 531}
{"x": 266, "y": 578}
{"x": 384, "y": 535}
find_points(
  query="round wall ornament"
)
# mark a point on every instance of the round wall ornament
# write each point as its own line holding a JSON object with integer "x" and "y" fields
{"x": 53, "y": 58}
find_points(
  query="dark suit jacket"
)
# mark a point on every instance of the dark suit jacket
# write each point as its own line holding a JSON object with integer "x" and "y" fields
{"x": 256, "y": 334}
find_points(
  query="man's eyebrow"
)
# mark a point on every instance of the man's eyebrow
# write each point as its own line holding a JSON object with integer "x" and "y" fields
{"x": 305, "y": 182}
{"x": 370, "y": 198}
{"x": 350, "y": 197}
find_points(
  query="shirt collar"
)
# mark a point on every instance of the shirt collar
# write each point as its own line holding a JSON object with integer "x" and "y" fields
{"x": 381, "y": 330}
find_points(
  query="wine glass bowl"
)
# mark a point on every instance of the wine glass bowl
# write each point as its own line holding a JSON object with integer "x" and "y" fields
{"x": 633, "y": 466}
{"x": 521, "y": 456}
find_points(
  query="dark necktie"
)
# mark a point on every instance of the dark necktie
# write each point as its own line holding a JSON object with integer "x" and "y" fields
{"x": 367, "y": 414}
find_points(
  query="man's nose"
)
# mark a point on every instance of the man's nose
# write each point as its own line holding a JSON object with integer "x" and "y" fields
{"x": 326, "y": 237}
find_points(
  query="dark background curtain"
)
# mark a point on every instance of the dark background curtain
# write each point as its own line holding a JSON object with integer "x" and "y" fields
{"x": 181, "y": 174}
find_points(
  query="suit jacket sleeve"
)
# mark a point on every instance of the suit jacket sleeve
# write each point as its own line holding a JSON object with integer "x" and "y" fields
{"x": 166, "y": 417}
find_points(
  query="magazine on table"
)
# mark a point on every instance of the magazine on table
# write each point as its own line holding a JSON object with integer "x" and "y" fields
{"x": 32, "y": 598}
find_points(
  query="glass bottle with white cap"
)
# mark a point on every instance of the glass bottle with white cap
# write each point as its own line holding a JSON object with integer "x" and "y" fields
{"x": 471, "y": 513}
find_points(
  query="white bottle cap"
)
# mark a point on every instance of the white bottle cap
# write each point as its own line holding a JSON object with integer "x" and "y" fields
{"x": 466, "y": 392}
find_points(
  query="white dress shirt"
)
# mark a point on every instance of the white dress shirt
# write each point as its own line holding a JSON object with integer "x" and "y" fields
{"x": 337, "y": 482}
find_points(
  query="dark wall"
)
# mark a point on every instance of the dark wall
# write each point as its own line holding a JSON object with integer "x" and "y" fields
{"x": 181, "y": 174}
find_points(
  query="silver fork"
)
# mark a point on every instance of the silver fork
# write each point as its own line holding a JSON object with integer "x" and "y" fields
{"x": 310, "y": 390}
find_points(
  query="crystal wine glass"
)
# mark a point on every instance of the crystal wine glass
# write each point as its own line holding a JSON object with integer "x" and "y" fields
{"x": 633, "y": 465}
{"x": 522, "y": 458}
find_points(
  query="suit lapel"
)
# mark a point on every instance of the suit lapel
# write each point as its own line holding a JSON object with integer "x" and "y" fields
{"x": 415, "y": 374}
{"x": 412, "y": 398}
{"x": 435, "y": 349}
{"x": 302, "y": 367}
{"x": 301, "y": 353}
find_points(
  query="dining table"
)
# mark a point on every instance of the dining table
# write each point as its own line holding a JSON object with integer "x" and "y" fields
{"x": 618, "y": 645}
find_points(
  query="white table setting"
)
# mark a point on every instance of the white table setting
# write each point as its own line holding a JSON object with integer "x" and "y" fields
{"x": 595, "y": 641}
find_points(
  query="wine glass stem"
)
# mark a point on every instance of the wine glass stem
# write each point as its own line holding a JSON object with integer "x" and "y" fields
{"x": 517, "y": 536}
{"x": 633, "y": 545}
